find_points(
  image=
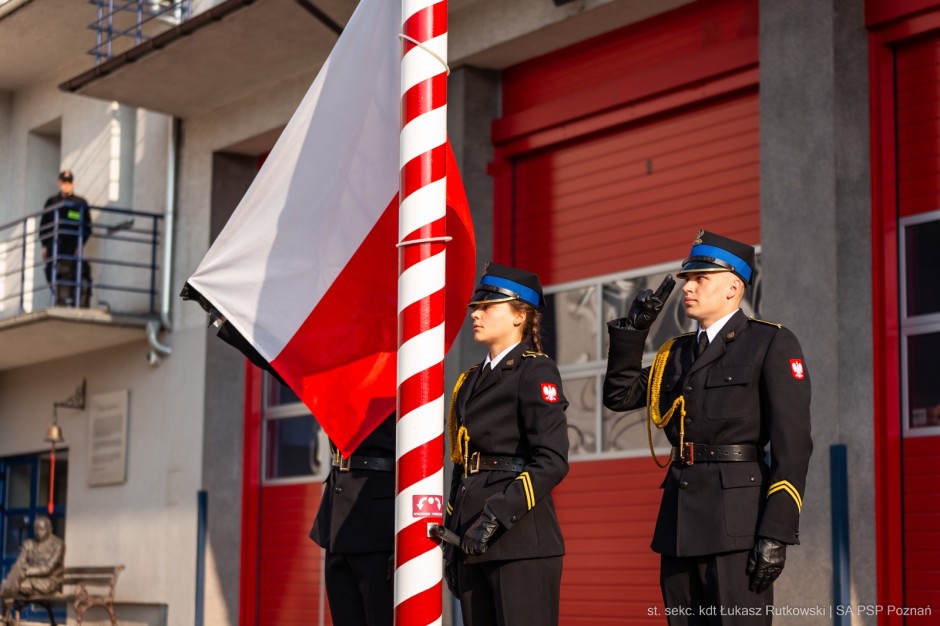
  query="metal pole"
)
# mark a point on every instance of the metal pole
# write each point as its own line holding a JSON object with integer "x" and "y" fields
{"x": 421, "y": 266}
{"x": 202, "y": 506}
{"x": 839, "y": 489}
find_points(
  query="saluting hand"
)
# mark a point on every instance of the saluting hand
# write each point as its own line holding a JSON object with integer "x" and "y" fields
{"x": 476, "y": 539}
{"x": 765, "y": 563}
{"x": 647, "y": 305}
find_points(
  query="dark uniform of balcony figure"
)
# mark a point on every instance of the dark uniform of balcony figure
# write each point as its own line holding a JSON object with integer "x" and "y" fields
{"x": 38, "y": 569}
{"x": 722, "y": 395}
{"x": 356, "y": 527}
{"x": 64, "y": 229}
{"x": 509, "y": 444}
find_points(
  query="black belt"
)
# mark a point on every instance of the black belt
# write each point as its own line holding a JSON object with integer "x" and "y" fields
{"x": 378, "y": 464}
{"x": 485, "y": 463}
{"x": 700, "y": 453}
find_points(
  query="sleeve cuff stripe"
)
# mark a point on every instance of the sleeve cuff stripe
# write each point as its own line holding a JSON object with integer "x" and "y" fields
{"x": 785, "y": 485}
{"x": 450, "y": 508}
{"x": 527, "y": 487}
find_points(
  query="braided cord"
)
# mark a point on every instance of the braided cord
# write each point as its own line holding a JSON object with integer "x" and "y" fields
{"x": 652, "y": 401}
{"x": 454, "y": 432}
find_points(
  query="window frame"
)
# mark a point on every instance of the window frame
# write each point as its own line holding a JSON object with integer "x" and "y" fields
{"x": 912, "y": 326}
{"x": 271, "y": 412}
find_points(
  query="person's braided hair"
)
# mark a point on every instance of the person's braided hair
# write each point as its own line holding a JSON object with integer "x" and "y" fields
{"x": 533, "y": 318}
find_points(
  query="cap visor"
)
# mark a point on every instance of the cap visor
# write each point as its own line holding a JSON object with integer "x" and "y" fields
{"x": 489, "y": 296}
{"x": 699, "y": 267}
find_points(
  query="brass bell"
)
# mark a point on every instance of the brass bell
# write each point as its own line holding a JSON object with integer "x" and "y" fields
{"x": 54, "y": 434}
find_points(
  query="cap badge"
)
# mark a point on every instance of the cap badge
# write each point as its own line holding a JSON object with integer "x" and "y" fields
{"x": 698, "y": 238}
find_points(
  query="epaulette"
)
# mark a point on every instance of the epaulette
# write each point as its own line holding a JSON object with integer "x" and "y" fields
{"x": 684, "y": 335}
{"x": 754, "y": 319}
{"x": 533, "y": 353}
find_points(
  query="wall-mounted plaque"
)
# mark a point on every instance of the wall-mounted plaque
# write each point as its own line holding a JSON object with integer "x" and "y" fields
{"x": 107, "y": 439}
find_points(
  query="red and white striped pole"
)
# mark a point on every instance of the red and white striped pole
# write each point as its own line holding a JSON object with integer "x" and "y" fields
{"x": 422, "y": 237}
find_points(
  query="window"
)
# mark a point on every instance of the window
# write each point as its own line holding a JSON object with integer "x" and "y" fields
{"x": 24, "y": 495}
{"x": 920, "y": 323}
{"x": 575, "y": 330}
{"x": 295, "y": 449}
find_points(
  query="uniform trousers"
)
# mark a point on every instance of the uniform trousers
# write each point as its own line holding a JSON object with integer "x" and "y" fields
{"x": 359, "y": 588}
{"x": 525, "y": 592}
{"x": 712, "y": 590}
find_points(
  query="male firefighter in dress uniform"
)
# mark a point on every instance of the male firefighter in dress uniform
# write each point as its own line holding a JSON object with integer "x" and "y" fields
{"x": 722, "y": 395}
{"x": 356, "y": 527}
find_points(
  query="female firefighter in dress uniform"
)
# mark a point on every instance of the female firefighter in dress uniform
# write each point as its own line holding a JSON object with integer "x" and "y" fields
{"x": 509, "y": 444}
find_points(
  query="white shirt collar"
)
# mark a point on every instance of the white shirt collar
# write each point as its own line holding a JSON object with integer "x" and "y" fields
{"x": 499, "y": 357}
{"x": 715, "y": 328}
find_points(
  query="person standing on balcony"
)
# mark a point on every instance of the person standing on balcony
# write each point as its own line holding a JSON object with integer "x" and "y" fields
{"x": 721, "y": 394}
{"x": 64, "y": 229}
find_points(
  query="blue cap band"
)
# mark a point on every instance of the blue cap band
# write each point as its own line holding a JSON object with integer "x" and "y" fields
{"x": 735, "y": 263}
{"x": 529, "y": 295}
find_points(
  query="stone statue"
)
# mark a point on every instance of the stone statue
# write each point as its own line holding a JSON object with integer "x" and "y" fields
{"x": 38, "y": 569}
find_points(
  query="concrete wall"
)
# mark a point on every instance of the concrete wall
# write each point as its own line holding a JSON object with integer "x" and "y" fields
{"x": 815, "y": 220}
{"x": 149, "y": 522}
{"x": 119, "y": 156}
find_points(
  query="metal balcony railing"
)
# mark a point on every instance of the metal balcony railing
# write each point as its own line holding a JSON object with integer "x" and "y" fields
{"x": 114, "y": 270}
{"x": 121, "y": 22}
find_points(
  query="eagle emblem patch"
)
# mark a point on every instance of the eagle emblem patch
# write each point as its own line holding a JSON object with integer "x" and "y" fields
{"x": 796, "y": 368}
{"x": 549, "y": 392}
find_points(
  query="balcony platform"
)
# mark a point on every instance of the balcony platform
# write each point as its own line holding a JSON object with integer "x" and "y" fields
{"x": 57, "y": 332}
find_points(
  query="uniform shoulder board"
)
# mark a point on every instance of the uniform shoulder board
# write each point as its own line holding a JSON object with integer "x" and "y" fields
{"x": 754, "y": 319}
{"x": 532, "y": 353}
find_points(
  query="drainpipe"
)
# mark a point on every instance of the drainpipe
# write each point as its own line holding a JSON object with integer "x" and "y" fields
{"x": 169, "y": 227}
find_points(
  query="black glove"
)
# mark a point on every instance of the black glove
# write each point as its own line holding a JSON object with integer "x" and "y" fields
{"x": 765, "y": 563}
{"x": 476, "y": 539}
{"x": 647, "y": 305}
{"x": 450, "y": 568}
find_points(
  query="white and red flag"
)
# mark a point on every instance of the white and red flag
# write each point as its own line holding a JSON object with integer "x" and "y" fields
{"x": 305, "y": 273}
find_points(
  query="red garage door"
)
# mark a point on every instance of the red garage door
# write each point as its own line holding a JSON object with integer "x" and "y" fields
{"x": 286, "y": 459}
{"x": 918, "y": 168}
{"x": 610, "y": 156}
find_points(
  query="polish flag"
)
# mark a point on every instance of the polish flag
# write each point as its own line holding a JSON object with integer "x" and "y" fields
{"x": 304, "y": 276}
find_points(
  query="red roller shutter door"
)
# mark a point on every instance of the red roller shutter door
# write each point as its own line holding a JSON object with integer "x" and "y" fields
{"x": 609, "y": 157}
{"x": 636, "y": 196}
{"x": 918, "y": 170}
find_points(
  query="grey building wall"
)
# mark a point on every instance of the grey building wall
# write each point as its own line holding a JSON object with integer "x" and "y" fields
{"x": 816, "y": 237}
{"x": 224, "y": 432}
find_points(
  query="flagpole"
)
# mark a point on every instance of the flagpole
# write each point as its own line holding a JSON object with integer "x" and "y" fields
{"x": 421, "y": 266}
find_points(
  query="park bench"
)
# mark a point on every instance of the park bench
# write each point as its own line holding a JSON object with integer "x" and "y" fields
{"x": 83, "y": 587}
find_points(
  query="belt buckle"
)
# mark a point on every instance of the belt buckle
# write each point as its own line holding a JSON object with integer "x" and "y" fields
{"x": 340, "y": 462}
{"x": 690, "y": 458}
{"x": 474, "y": 463}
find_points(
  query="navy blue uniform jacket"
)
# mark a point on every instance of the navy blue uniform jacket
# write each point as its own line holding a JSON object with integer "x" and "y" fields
{"x": 751, "y": 386}
{"x": 517, "y": 411}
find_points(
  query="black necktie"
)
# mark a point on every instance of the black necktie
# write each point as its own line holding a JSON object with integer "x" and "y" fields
{"x": 486, "y": 369}
{"x": 702, "y": 344}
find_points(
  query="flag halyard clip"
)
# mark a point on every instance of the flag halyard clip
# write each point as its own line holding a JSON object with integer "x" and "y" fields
{"x": 426, "y": 49}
